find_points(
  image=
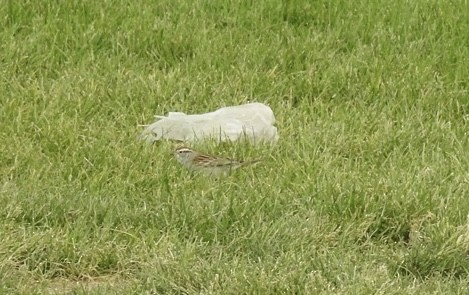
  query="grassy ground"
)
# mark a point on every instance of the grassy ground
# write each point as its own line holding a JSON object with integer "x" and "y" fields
{"x": 364, "y": 193}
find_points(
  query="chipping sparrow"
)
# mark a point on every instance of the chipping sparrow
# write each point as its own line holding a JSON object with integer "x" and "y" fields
{"x": 208, "y": 164}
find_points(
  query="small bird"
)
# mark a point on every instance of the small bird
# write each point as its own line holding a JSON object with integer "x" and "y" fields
{"x": 208, "y": 164}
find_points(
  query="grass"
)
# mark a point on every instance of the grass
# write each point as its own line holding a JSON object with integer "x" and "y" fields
{"x": 364, "y": 193}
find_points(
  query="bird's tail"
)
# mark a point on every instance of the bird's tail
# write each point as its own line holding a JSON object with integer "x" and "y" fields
{"x": 250, "y": 162}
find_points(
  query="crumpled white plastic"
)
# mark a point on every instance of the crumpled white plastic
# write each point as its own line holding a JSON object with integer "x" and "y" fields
{"x": 252, "y": 121}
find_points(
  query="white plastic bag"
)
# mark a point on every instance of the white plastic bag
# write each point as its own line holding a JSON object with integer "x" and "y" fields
{"x": 253, "y": 121}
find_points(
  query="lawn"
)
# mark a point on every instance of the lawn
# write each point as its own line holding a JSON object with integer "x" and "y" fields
{"x": 364, "y": 193}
